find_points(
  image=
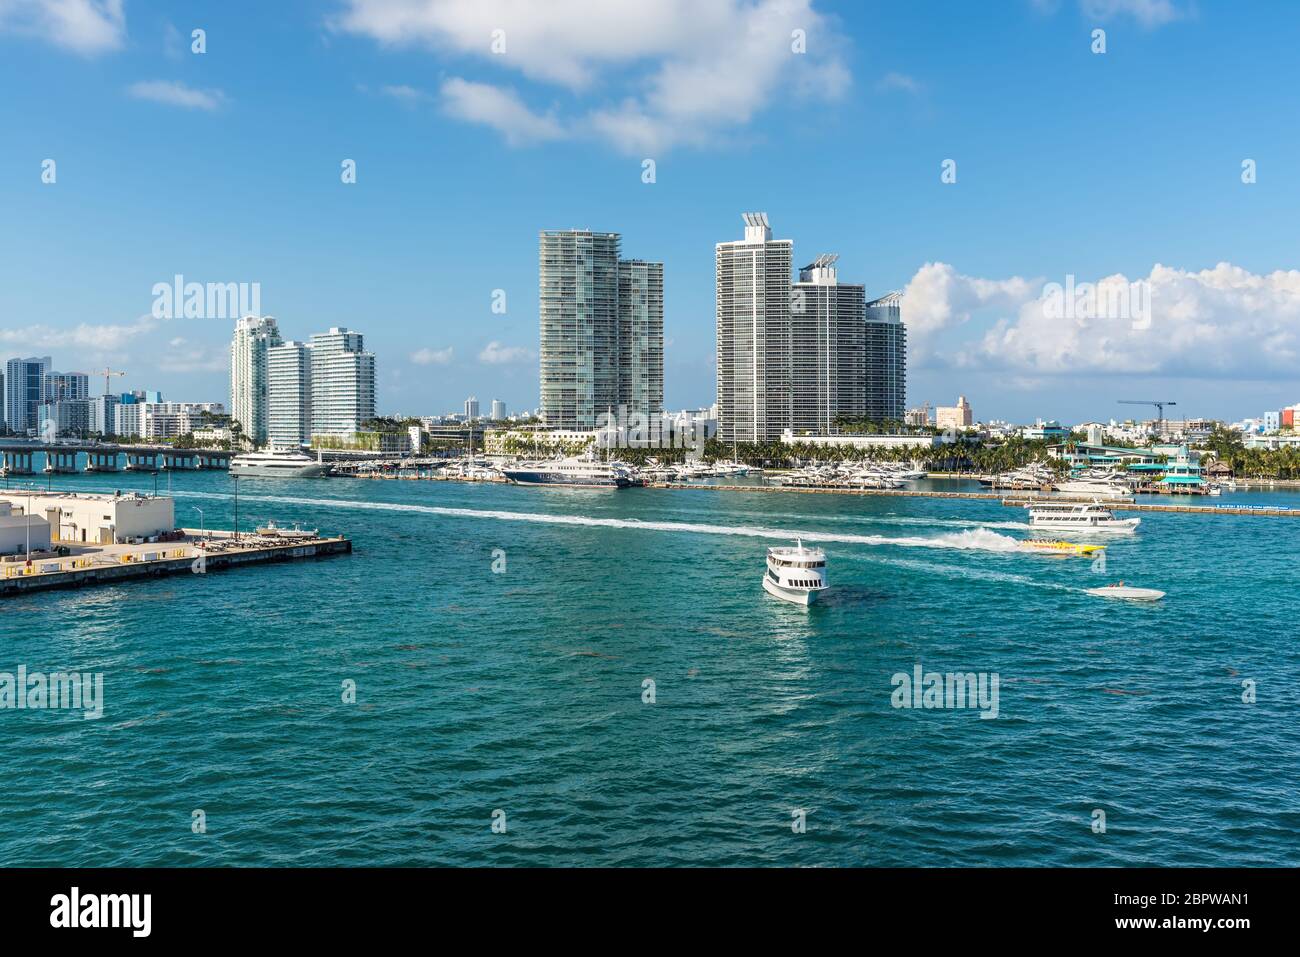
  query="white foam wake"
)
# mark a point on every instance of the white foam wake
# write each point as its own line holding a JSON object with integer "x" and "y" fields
{"x": 980, "y": 539}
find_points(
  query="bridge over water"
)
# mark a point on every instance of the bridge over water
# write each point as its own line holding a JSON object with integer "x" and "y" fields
{"x": 20, "y": 458}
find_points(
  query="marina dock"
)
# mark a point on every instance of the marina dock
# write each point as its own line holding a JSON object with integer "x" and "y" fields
{"x": 1126, "y": 505}
{"x": 194, "y": 554}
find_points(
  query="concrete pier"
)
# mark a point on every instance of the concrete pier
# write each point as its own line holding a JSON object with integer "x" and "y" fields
{"x": 141, "y": 461}
{"x": 180, "y": 459}
{"x": 62, "y": 462}
{"x": 16, "y": 462}
{"x": 192, "y": 555}
{"x": 101, "y": 461}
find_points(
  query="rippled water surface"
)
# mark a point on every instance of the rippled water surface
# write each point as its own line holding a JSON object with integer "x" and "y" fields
{"x": 523, "y": 691}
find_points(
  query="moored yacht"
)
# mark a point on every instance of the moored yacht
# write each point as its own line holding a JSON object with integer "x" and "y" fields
{"x": 585, "y": 472}
{"x": 795, "y": 574}
{"x": 279, "y": 463}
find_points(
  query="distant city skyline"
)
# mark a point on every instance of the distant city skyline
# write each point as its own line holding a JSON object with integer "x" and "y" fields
{"x": 845, "y": 144}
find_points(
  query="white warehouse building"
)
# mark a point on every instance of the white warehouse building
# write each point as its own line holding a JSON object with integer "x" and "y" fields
{"x": 101, "y": 519}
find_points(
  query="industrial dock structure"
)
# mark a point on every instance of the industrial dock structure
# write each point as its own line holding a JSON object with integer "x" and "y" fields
{"x": 71, "y": 540}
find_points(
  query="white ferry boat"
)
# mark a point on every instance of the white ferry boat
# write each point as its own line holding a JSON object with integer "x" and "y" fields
{"x": 571, "y": 471}
{"x": 795, "y": 574}
{"x": 279, "y": 463}
{"x": 1078, "y": 517}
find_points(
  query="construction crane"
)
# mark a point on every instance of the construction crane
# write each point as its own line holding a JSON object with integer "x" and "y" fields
{"x": 106, "y": 373}
{"x": 1160, "y": 410}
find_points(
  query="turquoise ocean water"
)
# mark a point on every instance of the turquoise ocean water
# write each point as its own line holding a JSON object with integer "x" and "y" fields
{"x": 521, "y": 691}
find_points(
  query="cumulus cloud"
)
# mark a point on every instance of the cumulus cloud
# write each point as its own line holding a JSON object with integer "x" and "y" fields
{"x": 1220, "y": 322}
{"x": 432, "y": 357}
{"x": 82, "y": 26}
{"x": 1149, "y": 13}
{"x": 644, "y": 76}
{"x": 939, "y": 298}
{"x": 494, "y": 353}
{"x": 101, "y": 338}
{"x": 174, "y": 93}
{"x": 498, "y": 108}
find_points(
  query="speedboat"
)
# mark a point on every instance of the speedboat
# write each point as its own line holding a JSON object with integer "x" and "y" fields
{"x": 1127, "y": 592}
{"x": 1061, "y": 548}
{"x": 795, "y": 574}
{"x": 1080, "y": 517}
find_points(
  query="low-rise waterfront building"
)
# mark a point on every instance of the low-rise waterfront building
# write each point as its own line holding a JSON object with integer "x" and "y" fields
{"x": 20, "y": 533}
{"x": 892, "y": 441}
{"x": 103, "y": 519}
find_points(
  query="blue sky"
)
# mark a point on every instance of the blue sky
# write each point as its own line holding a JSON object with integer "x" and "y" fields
{"x": 225, "y": 167}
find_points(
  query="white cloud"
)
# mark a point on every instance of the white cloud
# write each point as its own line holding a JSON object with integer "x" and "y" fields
{"x": 939, "y": 298}
{"x": 174, "y": 93}
{"x": 494, "y": 353}
{"x": 498, "y": 108}
{"x": 407, "y": 94}
{"x": 645, "y": 76}
{"x": 432, "y": 357}
{"x": 898, "y": 81}
{"x": 85, "y": 336}
{"x": 83, "y": 26}
{"x": 1149, "y": 13}
{"x": 1220, "y": 322}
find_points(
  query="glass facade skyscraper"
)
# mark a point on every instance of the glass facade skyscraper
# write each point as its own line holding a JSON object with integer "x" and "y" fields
{"x": 601, "y": 329}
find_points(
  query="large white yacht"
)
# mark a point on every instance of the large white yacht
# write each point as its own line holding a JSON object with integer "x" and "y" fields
{"x": 795, "y": 574}
{"x": 578, "y": 471}
{"x": 1095, "y": 482}
{"x": 279, "y": 463}
{"x": 1095, "y": 488}
{"x": 1079, "y": 517}
{"x": 1035, "y": 475}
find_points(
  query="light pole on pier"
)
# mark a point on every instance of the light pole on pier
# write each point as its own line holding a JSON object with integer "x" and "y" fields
{"x": 203, "y": 532}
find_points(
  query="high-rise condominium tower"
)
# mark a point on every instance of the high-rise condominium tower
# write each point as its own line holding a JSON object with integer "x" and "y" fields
{"x": 828, "y": 379}
{"x": 289, "y": 394}
{"x": 640, "y": 336}
{"x": 249, "y": 392}
{"x": 342, "y": 383}
{"x": 886, "y": 359}
{"x": 801, "y": 355}
{"x": 24, "y": 391}
{"x": 601, "y": 329}
{"x": 755, "y": 402}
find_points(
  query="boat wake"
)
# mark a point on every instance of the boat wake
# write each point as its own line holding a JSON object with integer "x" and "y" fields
{"x": 978, "y": 539}
{"x": 871, "y": 519}
{"x": 966, "y": 572}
